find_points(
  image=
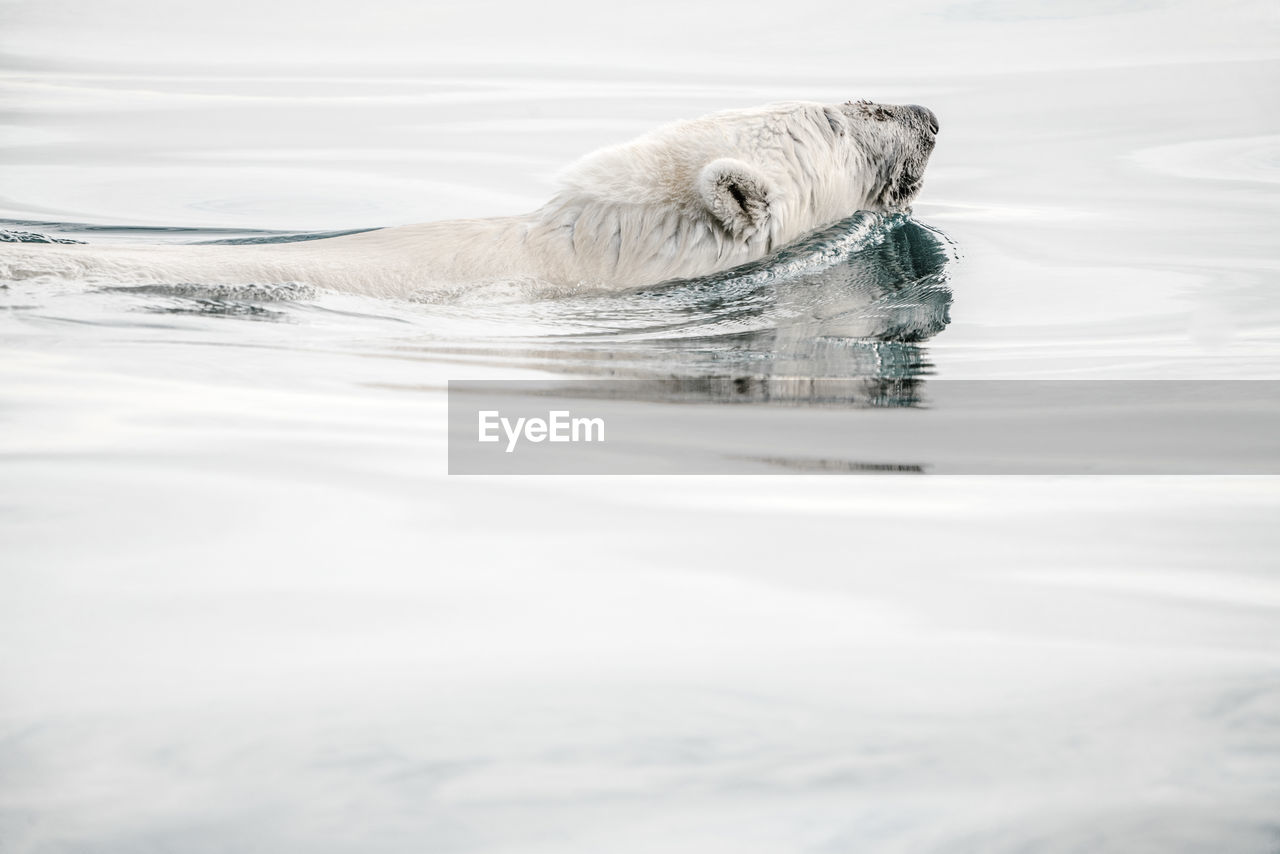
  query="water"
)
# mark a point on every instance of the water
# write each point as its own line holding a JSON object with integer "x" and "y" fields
{"x": 246, "y": 610}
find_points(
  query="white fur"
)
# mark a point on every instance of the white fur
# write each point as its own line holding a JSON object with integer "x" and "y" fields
{"x": 686, "y": 200}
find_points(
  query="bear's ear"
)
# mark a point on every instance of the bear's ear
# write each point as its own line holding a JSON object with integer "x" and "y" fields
{"x": 736, "y": 195}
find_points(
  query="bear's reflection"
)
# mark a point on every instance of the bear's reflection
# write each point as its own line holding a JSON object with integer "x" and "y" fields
{"x": 811, "y": 325}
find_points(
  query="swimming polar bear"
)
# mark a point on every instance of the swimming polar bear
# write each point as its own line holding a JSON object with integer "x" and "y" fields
{"x": 689, "y": 199}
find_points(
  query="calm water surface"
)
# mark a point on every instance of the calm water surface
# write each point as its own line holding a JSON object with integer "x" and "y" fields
{"x": 245, "y": 610}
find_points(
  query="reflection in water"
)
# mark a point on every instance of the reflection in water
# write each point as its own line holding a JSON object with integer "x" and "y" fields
{"x": 837, "y": 318}
{"x": 857, "y": 327}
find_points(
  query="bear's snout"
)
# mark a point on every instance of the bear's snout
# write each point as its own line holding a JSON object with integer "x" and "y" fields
{"x": 926, "y": 115}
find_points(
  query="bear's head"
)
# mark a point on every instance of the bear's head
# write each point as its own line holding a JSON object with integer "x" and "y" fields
{"x": 763, "y": 177}
{"x": 899, "y": 140}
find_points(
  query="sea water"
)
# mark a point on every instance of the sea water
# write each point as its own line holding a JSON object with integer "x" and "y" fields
{"x": 245, "y": 609}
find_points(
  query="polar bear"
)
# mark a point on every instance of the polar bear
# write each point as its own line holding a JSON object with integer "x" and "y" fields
{"x": 689, "y": 199}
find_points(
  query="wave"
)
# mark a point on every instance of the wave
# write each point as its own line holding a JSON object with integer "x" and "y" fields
{"x": 854, "y": 301}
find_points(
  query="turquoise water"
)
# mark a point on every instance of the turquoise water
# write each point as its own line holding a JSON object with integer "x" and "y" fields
{"x": 247, "y": 610}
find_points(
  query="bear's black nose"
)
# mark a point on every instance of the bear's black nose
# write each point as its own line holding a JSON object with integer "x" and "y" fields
{"x": 927, "y": 114}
